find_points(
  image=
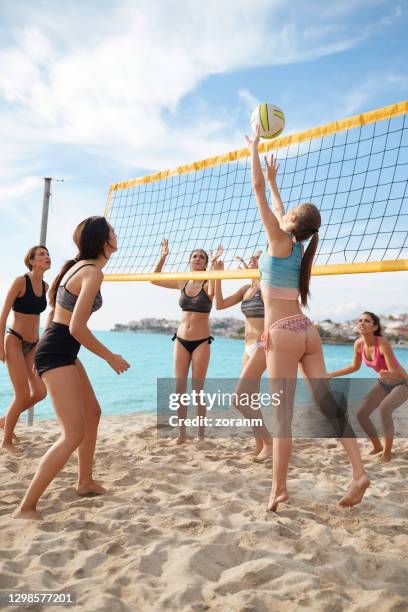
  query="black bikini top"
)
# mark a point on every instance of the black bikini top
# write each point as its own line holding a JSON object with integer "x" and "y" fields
{"x": 195, "y": 303}
{"x": 30, "y": 303}
{"x": 253, "y": 308}
{"x": 67, "y": 300}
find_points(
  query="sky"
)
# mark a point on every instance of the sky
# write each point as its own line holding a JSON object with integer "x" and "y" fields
{"x": 99, "y": 92}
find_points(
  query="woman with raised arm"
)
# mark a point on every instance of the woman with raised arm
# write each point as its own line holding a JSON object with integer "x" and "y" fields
{"x": 193, "y": 337}
{"x": 290, "y": 337}
{"x": 254, "y": 362}
{"x": 74, "y": 295}
{"x": 27, "y": 298}
{"x": 389, "y": 392}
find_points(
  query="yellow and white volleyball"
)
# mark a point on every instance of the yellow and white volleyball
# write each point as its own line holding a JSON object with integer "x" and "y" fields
{"x": 270, "y": 118}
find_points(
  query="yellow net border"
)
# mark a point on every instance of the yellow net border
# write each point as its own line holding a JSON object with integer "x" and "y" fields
{"x": 387, "y": 112}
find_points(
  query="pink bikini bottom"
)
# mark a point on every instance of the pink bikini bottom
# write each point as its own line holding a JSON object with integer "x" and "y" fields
{"x": 295, "y": 323}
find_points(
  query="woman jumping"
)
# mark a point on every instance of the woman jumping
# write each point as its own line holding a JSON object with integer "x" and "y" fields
{"x": 193, "y": 337}
{"x": 254, "y": 361}
{"x": 75, "y": 295}
{"x": 27, "y": 298}
{"x": 389, "y": 392}
{"x": 290, "y": 337}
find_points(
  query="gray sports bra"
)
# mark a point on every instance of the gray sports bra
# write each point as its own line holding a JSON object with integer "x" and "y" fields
{"x": 67, "y": 300}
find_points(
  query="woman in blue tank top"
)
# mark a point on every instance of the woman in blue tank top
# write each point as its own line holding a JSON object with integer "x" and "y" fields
{"x": 290, "y": 338}
{"x": 27, "y": 298}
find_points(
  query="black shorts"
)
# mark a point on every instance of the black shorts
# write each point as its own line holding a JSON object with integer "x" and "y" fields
{"x": 56, "y": 348}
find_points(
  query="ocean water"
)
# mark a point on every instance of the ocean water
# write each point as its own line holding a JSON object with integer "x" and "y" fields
{"x": 151, "y": 357}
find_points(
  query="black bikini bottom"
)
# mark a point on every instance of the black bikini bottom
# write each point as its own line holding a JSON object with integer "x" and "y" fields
{"x": 56, "y": 349}
{"x": 26, "y": 346}
{"x": 191, "y": 345}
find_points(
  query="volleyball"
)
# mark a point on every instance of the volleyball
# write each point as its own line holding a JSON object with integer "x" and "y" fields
{"x": 270, "y": 118}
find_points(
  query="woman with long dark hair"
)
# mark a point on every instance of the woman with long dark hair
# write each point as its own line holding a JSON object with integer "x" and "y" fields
{"x": 290, "y": 337}
{"x": 27, "y": 298}
{"x": 391, "y": 389}
{"x": 193, "y": 337}
{"x": 74, "y": 296}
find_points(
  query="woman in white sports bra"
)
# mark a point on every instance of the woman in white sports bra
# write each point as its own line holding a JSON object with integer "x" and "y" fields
{"x": 254, "y": 361}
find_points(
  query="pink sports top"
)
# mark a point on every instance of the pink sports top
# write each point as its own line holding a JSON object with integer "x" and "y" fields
{"x": 378, "y": 363}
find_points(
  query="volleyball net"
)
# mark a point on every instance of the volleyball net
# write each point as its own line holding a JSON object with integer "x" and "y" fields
{"x": 354, "y": 170}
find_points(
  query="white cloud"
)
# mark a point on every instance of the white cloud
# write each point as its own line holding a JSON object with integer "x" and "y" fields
{"x": 72, "y": 79}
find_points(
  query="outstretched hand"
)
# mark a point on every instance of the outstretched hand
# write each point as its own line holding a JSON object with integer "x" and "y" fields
{"x": 271, "y": 169}
{"x": 242, "y": 263}
{"x": 253, "y": 143}
{"x": 217, "y": 254}
{"x": 217, "y": 265}
{"x": 164, "y": 247}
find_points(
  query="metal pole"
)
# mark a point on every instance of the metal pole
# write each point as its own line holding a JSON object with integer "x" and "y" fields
{"x": 43, "y": 241}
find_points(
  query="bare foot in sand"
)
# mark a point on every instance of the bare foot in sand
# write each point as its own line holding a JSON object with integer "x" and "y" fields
{"x": 385, "y": 458}
{"x": 90, "y": 488}
{"x": 199, "y": 441}
{"x": 376, "y": 450}
{"x": 277, "y": 497}
{"x": 29, "y": 515}
{"x": 265, "y": 454}
{"x": 355, "y": 492}
{"x": 10, "y": 448}
{"x": 2, "y": 422}
{"x": 180, "y": 440}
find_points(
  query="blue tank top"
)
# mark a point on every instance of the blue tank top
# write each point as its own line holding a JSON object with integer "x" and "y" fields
{"x": 281, "y": 271}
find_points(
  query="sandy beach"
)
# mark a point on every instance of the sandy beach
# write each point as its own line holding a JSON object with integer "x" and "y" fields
{"x": 187, "y": 529}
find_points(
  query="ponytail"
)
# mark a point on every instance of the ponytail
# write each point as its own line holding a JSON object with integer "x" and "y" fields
{"x": 52, "y": 292}
{"x": 306, "y": 268}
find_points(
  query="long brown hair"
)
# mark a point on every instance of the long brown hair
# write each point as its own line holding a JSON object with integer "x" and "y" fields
{"x": 376, "y": 320}
{"x": 90, "y": 236}
{"x": 31, "y": 254}
{"x": 307, "y": 226}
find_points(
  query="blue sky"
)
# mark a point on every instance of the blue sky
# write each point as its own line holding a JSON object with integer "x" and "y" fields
{"x": 115, "y": 90}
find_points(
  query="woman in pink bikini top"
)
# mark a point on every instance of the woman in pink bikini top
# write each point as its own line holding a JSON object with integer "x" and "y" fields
{"x": 391, "y": 389}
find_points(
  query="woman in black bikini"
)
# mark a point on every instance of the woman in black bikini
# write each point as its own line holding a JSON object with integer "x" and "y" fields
{"x": 74, "y": 295}
{"x": 27, "y": 298}
{"x": 193, "y": 338}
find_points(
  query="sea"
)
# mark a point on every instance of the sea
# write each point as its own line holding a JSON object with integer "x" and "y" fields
{"x": 151, "y": 357}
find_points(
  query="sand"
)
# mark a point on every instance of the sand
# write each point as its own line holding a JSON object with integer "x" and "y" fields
{"x": 187, "y": 529}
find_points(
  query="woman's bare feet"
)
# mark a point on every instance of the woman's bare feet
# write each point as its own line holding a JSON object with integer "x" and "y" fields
{"x": 30, "y": 515}
{"x": 10, "y": 448}
{"x": 385, "y": 458}
{"x": 180, "y": 440}
{"x": 277, "y": 497}
{"x": 90, "y": 488}
{"x": 2, "y": 423}
{"x": 376, "y": 450}
{"x": 265, "y": 454}
{"x": 355, "y": 492}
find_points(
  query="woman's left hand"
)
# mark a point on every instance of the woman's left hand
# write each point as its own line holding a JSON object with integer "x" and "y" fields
{"x": 217, "y": 254}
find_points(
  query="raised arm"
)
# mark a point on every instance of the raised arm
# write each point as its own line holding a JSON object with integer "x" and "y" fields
{"x": 78, "y": 327}
{"x": 231, "y": 300}
{"x": 269, "y": 220}
{"x": 270, "y": 172}
{"x": 353, "y": 367}
{"x": 168, "y": 284}
{"x": 15, "y": 290}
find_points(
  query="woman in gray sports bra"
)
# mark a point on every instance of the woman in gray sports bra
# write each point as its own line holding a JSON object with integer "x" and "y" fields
{"x": 254, "y": 360}
{"x": 193, "y": 337}
{"x": 74, "y": 295}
